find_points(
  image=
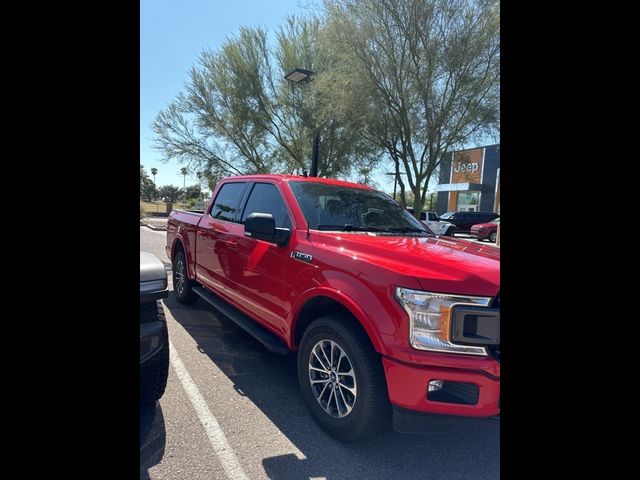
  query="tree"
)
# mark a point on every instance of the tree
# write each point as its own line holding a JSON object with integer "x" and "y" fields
{"x": 170, "y": 192}
{"x": 149, "y": 191}
{"x": 238, "y": 115}
{"x": 184, "y": 171}
{"x": 154, "y": 171}
{"x": 194, "y": 191}
{"x": 423, "y": 74}
{"x": 143, "y": 177}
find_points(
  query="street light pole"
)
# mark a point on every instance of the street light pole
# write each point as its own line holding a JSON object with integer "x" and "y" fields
{"x": 314, "y": 154}
{"x": 395, "y": 183}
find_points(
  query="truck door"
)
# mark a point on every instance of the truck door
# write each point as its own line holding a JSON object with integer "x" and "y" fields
{"x": 217, "y": 262}
{"x": 265, "y": 288}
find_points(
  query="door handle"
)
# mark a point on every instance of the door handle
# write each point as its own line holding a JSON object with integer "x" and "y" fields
{"x": 232, "y": 246}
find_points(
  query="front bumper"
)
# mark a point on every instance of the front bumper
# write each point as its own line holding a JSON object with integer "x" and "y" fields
{"x": 408, "y": 389}
{"x": 410, "y": 421}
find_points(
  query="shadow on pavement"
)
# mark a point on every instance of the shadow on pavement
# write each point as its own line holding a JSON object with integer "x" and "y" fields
{"x": 153, "y": 438}
{"x": 270, "y": 382}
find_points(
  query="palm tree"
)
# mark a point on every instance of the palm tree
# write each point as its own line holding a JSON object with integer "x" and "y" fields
{"x": 184, "y": 172}
{"x": 153, "y": 172}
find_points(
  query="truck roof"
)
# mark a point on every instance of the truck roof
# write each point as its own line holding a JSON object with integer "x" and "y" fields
{"x": 300, "y": 178}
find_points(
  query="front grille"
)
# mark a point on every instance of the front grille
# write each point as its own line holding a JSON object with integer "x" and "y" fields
{"x": 494, "y": 350}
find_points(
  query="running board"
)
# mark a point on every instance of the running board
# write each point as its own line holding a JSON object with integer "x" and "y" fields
{"x": 268, "y": 339}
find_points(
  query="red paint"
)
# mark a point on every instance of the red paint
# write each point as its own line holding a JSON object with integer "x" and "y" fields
{"x": 357, "y": 270}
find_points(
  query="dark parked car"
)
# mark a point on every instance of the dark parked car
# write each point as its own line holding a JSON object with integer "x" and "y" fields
{"x": 465, "y": 220}
{"x": 486, "y": 231}
{"x": 154, "y": 338}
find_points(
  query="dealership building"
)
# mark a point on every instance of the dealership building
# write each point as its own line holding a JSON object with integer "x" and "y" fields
{"x": 469, "y": 181}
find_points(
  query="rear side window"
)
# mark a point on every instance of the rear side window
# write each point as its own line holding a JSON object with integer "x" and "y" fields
{"x": 265, "y": 198}
{"x": 227, "y": 201}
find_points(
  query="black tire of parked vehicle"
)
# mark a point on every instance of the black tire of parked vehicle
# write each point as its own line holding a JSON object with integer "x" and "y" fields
{"x": 371, "y": 410}
{"x": 493, "y": 237}
{"x": 183, "y": 292}
{"x": 154, "y": 372}
{"x": 450, "y": 232}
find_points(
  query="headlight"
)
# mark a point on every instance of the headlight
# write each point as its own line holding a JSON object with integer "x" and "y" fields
{"x": 429, "y": 319}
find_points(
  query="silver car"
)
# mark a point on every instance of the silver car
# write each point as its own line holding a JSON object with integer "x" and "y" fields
{"x": 154, "y": 338}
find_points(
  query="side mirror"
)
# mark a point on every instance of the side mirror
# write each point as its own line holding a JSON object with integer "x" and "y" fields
{"x": 262, "y": 226}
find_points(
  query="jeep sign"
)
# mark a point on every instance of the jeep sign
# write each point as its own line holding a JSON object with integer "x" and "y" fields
{"x": 466, "y": 167}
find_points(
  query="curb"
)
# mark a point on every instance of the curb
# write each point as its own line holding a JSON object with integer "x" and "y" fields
{"x": 153, "y": 227}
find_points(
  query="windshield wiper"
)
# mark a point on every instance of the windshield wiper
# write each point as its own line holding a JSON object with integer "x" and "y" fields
{"x": 408, "y": 230}
{"x": 352, "y": 228}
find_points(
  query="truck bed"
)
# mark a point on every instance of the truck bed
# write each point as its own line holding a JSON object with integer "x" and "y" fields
{"x": 187, "y": 221}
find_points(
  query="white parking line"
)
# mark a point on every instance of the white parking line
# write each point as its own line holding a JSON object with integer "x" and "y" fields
{"x": 216, "y": 436}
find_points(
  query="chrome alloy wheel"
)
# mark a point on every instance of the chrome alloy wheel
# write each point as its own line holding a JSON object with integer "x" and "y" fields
{"x": 332, "y": 378}
{"x": 178, "y": 276}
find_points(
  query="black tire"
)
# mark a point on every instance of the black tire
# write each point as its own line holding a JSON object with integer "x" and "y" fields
{"x": 450, "y": 232}
{"x": 493, "y": 237}
{"x": 154, "y": 371}
{"x": 182, "y": 291}
{"x": 370, "y": 407}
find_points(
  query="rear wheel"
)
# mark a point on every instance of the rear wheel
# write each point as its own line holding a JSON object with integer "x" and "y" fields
{"x": 341, "y": 379}
{"x": 182, "y": 286}
{"x": 493, "y": 237}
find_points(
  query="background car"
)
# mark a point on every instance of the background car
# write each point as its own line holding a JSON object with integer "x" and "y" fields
{"x": 154, "y": 337}
{"x": 486, "y": 231}
{"x": 435, "y": 224}
{"x": 463, "y": 221}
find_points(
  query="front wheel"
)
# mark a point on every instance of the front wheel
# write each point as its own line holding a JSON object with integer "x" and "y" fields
{"x": 341, "y": 379}
{"x": 450, "y": 232}
{"x": 493, "y": 237}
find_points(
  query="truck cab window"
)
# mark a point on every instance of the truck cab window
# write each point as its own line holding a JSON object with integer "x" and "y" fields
{"x": 265, "y": 198}
{"x": 227, "y": 201}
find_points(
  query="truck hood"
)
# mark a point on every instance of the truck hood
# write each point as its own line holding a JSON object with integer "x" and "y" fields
{"x": 439, "y": 264}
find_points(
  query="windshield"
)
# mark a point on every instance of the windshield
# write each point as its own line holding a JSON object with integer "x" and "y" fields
{"x": 444, "y": 216}
{"x": 336, "y": 207}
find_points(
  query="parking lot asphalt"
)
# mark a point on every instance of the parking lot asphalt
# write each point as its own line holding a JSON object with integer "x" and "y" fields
{"x": 232, "y": 409}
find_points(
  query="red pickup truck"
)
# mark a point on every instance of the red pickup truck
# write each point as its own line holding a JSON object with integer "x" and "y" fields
{"x": 388, "y": 319}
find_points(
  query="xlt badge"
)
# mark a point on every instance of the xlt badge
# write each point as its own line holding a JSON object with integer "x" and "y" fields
{"x": 305, "y": 257}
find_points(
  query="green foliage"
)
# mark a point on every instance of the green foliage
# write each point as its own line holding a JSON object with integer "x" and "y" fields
{"x": 170, "y": 192}
{"x": 423, "y": 74}
{"x": 192, "y": 192}
{"x": 144, "y": 177}
{"x": 239, "y": 115}
{"x": 149, "y": 192}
